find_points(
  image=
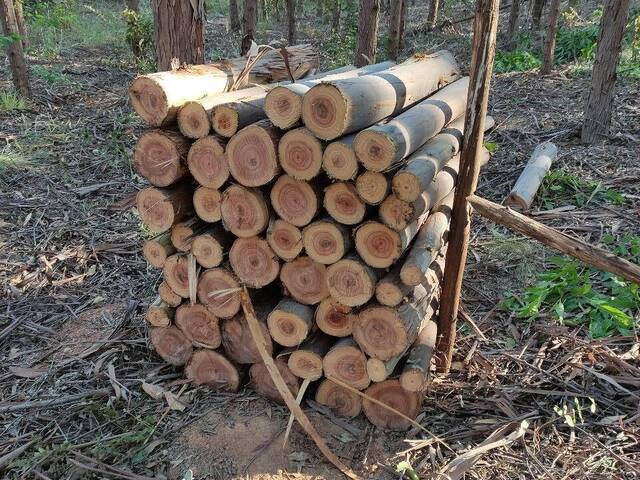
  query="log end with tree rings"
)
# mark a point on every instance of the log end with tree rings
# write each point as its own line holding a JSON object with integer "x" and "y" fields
{"x": 160, "y": 155}
{"x": 176, "y": 274}
{"x": 253, "y": 261}
{"x": 300, "y": 154}
{"x": 199, "y": 325}
{"x": 244, "y": 211}
{"x": 224, "y": 120}
{"x": 155, "y": 209}
{"x": 284, "y": 239}
{"x": 350, "y": 282}
{"x": 207, "y": 162}
{"x": 262, "y": 383}
{"x": 395, "y": 213}
{"x": 171, "y": 344}
{"x": 182, "y": 236}
{"x": 341, "y": 401}
{"x": 346, "y": 362}
{"x": 334, "y": 318}
{"x": 157, "y": 250}
{"x": 238, "y": 342}
{"x": 379, "y": 332}
{"x": 411, "y": 274}
{"x": 168, "y": 296}
{"x": 375, "y": 150}
{"x": 252, "y": 156}
{"x": 219, "y": 290}
{"x": 149, "y": 101}
{"x": 290, "y": 322}
{"x": 305, "y": 280}
{"x": 324, "y": 111}
{"x": 207, "y": 250}
{"x": 305, "y": 364}
{"x": 372, "y": 187}
{"x": 389, "y": 292}
{"x": 159, "y": 314}
{"x": 212, "y": 369}
{"x": 339, "y": 161}
{"x": 193, "y": 120}
{"x": 378, "y": 245}
{"x": 391, "y": 393}
{"x": 283, "y": 107}
{"x": 325, "y": 241}
{"x": 342, "y": 202}
{"x": 207, "y": 203}
{"x": 377, "y": 370}
{"x": 406, "y": 186}
{"x": 294, "y": 200}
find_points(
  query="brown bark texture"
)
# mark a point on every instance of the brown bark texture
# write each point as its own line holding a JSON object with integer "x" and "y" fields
{"x": 367, "y": 32}
{"x": 15, "y": 50}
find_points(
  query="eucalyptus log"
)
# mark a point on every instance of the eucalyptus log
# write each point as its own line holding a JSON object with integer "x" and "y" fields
{"x": 339, "y": 159}
{"x": 415, "y": 373}
{"x": 391, "y": 393}
{"x": 238, "y": 342}
{"x": 379, "y": 370}
{"x": 346, "y": 362}
{"x": 228, "y": 117}
{"x": 295, "y": 201}
{"x": 524, "y": 191}
{"x": 176, "y": 274}
{"x": 300, "y": 153}
{"x": 168, "y": 296}
{"x": 159, "y": 313}
{"x": 391, "y": 291}
{"x": 157, "y": 249}
{"x": 244, "y": 211}
{"x": 212, "y": 369}
{"x": 262, "y": 383}
{"x": 341, "y": 401}
{"x": 160, "y": 208}
{"x": 372, "y": 187}
{"x": 290, "y": 322}
{"x": 209, "y": 246}
{"x": 252, "y": 154}
{"x": 207, "y": 203}
{"x": 207, "y": 162}
{"x": 284, "y": 239}
{"x": 171, "y": 344}
{"x": 351, "y": 282}
{"x": 199, "y": 325}
{"x": 253, "y": 261}
{"x": 218, "y": 290}
{"x": 305, "y": 361}
{"x": 160, "y": 156}
{"x": 183, "y": 233}
{"x": 305, "y": 280}
{"x": 342, "y": 202}
{"x": 334, "y": 318}
{"x": 326, "y": 241}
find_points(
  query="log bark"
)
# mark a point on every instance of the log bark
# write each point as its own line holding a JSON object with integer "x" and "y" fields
{"x": 391, "y": 291}
{"x": 262, "y": 383}
{"x": 158, "y": 249}
{"x": 305, "y": 280}
{"x": 249, "y": 21}
{"x": 171, "y": 345}
{"x": 333, "y": 318}
{"x": 342, "y": 202}
{"x": 295, "y": 201}
{"x": 218, "y": 290}
{"x": 160, "y": 208}
{"x": 300, "y": 154}
{"x": 382, "y": 147}
{"x": 198, "y": 325}
{"x": 306, "y": 360}
{"x": 333, "y": 109}
{"x": 367, "y": 32}
{"x": 160, "y": 156}
{"x": 351, "y": 282}
{"x": 391, "y": 393}
{"x": 209, "y": 247}
{"x": 597, "y": 112}
{"x": 341, "y": 401}
{"x": 183, "y": 233}
{"x": 15, "y": 50}
{"x": 346, "y": 362}
{"x": 550, "y": 39}
{"x": 244, "y": 211}
{"x": 159, "y": 313}
{"x": 178, "y": 32}
{"x": 253, "y": 261}
{"x": 415, "y": 374}
{"x": 326, "y": 241}
{"x": 207, "y": 163}
{"x": 212, "y": 369}
{"x": 372, "y": 187}
{"x": 252, "y": 154}
{"x": 284, "y": 239}
{"x": 228, "y": 118}
{"x": 238, "y": 342}
{"x": 234, "y": 18}
{"x": 524, "y": 191}
{"x": 395, "y": 31}
{"x": 339, "y": 159}
{"x": 176, "y": 273}
{"x": 168, "y": 296}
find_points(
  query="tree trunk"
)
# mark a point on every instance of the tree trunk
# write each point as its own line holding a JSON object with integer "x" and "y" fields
{"x": 346, "y": 362}
{"x": 326, "y": 241}
{"x": 284, "y": 239}
{"x": 198, "y": 325}
{"x": 597, "y": 113}
{"x": 512, "y": 29}
{"x": 212, "y": 369}
{"x": 367, "y": 32}
{"x": 395, "y": 29}
{"x": 244, "y": 211}
{"x": 300, "y": 154}
{"x": 335, "y": 16}
{"x": 234, "y": 18}
{"x": 524, "y": 191}
{"x": 372, "y": 187}
{"x": 208, "y": 166}
{"x": 550, "y": 39}
{"x": 210, "y": 283}
{"x": 160, "y": 208}
{"x": 305, "y": 361}
{"x": 249, "y": 21}
{"x": 403, "y": 22}
{"x": 157, "y": 250}
{"x": 342, "y": 202}
{"x": 253, "y": 261}
{"x": 305, "y": 280}
{"x": 351, "y": 282}
{"x": 536, "y": 13}
{"x": 252, "y": 154}
{"x": 15, "y": 50}
{"x": 295, "y": 201}
{"x": 392, "y": 394}
{"x": 22, "y": 25}
{"x": 178, "y": 32}
{"x": 333, "y": 109}
{"x": 333, "y": 318}
{"x": 432, "y": 16}
{"x": 341, "y": 401}
{"x": 339, "y": 160}
{"x": 291, "y": 21}
{"x": 171, "y": 344}
{"x": 207, "y": 203}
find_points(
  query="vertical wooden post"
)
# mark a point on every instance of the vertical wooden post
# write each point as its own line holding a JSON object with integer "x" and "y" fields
{"x": 367, "y": 32}
{"x": 396, "y": 29}
{"x": 485, "y": 26}
{"x": 15, "y": 51}
{"x": 550, "y": 39}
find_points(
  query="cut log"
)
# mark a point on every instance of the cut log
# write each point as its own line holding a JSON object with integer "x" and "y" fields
{"x": 391, "y": 291}
{"x": 378, "y": 245}
{"x": 283, "y": 104}
{"x": 524, "y": 191}
{"x": 262, "y": 383}
{"x": 176, "y": 274}
{"x": 342, "y": 202}
{"x": 333, "y": 318}
{"x": 306, "y": 360}
{"x": 207, "y": 203}
{"x": 228, "y": 118}
{"x": 391, "y": 393}
{"x": 397, "y": 214}
{"x": 171, "y": 344}
{"x": 346, "y": 362}
{"x": 183, "y": 233}
{"x": 339, "y": 159}
{"x": 252, "y": 154}
{"x": 341, "y": 401}
{"x": 372, "y": 187}
{"x": 238, "y": 342}
{"x": 383, "y": 146}
{"x": 379, "y": 370}
{"x": 333, "y": 109}
{"x": 158, "y": 97}
{"x": 207, "y": 162}
{"x": 305, "y": 280}
{"x": 284, "y": 239}
{"x": 160, "y": 208}
{"x": 351, "y": 282}
{"x": 157, "y": 249}
{"x": 244, "y": 211}
{"x": 212, "y": 369}
{"x": 295, "y": 201}
{"x": 160, "y": 156}
{"x": 290, "y": 322}
{"x": 209, "y": 246}
{"x": 218, "y": 290}
{"x": 300, "y": 154}
{"x": 326, "y": 241}
{"x": 199, "y": 325}
{"x": 253, "y": 261}
{"x": 415, "y": 373}
{"x": 168, "y": 296}
{"x": 159, "y": 313}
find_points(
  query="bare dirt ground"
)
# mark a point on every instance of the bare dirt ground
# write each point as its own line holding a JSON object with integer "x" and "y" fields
{"x": 73, "y": 348}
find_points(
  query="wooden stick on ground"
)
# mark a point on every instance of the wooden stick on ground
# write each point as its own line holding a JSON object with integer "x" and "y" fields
{"x": 523, "y": 192}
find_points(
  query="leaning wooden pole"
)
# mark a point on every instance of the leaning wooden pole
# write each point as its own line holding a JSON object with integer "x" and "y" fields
{"x": 485, "y": 26}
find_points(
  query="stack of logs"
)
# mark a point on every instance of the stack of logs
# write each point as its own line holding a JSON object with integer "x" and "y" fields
{"x": 329, "y": 198}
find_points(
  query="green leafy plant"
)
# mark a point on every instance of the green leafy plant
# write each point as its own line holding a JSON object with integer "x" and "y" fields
{"x": 10, "y": 102}
{"x": 576, "y": 43}
{"x": 516, "y": 61}
{"x": 51, "y": 75}
{"x": 562, "y": 188}
{"x": 406, "y": 469}
{"x": 139, "y": 34}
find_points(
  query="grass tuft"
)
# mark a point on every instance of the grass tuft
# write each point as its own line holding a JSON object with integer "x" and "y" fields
{"x": 10, "y": 101}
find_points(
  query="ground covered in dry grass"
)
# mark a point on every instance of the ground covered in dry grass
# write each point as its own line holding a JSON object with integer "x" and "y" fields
{"x": 73, "y": 347}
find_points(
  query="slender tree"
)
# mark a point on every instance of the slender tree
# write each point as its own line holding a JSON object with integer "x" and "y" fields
{"x": 514, "y": 14}
{"x": 597, "y": 113}
{"x": 396, "y": 29}
{"x": 432, "y": 16}
{"x": 403, "y": 21}
{"x": 367, "y": 32}
{"x": 15, "y": 52}
{"x": 550, "y": 39}
{"x": 262, "y": 8}
{"x": 249, "y": 21}
{"x": 536, "y": 13}
{"x": 133, "y": 5}
{"x": 234, "y": 18}
{"x": 291, "y": 21}
{"x": 178, "y": 30}
{"x": 335, "y": 15}
{"x": 22, "y": 25}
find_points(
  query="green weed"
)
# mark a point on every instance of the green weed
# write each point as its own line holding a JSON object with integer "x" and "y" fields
{"x": 13, "y": 160}
{"x": 139, "y": 34}
{"x": 561, "y": 188}
{"x": 10, "y": 101}
{"x": 53, "y": 76}
{"x": 576, "y": 43}
{"x": 340, "y": 47}
{"x": 516, "y": 61}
